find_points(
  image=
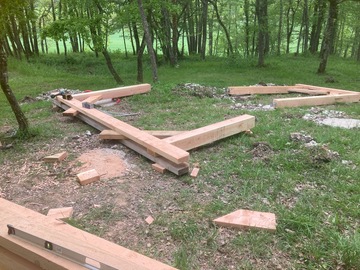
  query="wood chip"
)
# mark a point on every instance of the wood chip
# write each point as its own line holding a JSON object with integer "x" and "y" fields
{"x": 56, "y": 158}
{"x": 149, "y": 220}
{"x": 88, "y": 177}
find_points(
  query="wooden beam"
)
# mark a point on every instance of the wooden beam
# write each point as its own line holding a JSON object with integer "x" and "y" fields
{"x": 201, "y": 136}
{"x": 116, "y": 92}
{"x": 247, "y": 219}
{"x": 178, "y": 169}
{"x": 309, "y": 92}
{"x": 158, "y": 168}
{"x": 93, "y": 99}
{"x": 330, "y": 90}
{"x": 70, "y": 112}
{"x": 11, "y": 261}
{"x": 315, "y": 101}
{"x": 251, "y": 90}
{"x": 161, "y": 134}
{"x": 152, "y": 143}
{"x": 56, "y": 232}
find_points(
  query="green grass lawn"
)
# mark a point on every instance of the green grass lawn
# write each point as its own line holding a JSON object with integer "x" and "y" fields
{"x": 317, "y": 203}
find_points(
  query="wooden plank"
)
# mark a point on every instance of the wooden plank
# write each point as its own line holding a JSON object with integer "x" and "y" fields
{"x": 315, "y": 101}
{"x": 56, "y": 158}
{"x": 60, "y": 213}
{"x": 152, "y": 143}
{"x": 201, "y": 136}
{"x": 309, "y": 92}
{"x": 330, "y": 90}
{"x": 11, "y": 261}
{"x": 251, "y": 90}
{"x": 161, "y": 134}
{"x": 247, "y": 219}
{"x": 92, "y": 99}
{"x": 70, "y": 112}
{"x": 81, "y": 242}
{"x": 178, "y": 169}
{"x": 116, "y": 92}
{"x": 88, "y": 177}
{"x": 158, "y": 168}
{"x": 194, "y": 173}
{"x": 109, "y": 134}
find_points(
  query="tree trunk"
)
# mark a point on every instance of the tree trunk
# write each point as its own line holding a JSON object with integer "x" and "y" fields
{"x": 204, "y": 28}
{"x": 329, "y": 35}
{"x": 319, "y": 12}
{"x": 148, "y": 41}
{"x": 230, "y": 47}
{"x": 261, "y": 10}
{"x": 280, "y": 28}
{"x": 20, "y": 116}
{"x": 111, "y": 67}
{"x": 140, "y": 70}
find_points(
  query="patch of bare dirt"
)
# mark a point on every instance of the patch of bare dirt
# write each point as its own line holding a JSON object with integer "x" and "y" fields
{"x": 109, "y": 163}
{"x": 262, "y": 151}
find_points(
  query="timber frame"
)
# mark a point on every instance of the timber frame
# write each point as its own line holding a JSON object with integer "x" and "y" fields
{"x": 20, "y": 254}
{"x": 318, "y": 95}
{"x": 167, "y": 149}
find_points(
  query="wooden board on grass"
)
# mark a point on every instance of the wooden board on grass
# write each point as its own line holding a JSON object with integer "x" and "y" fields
{"x": 315, "y": 101}
{"x": 247, "y": 219}
{"x": 252, "y": 90}
{"x": 63, "y": 235}
{"x": 56, "y": 158}
{"x": 208, "y": 134}
{"x": 116, "y": 92}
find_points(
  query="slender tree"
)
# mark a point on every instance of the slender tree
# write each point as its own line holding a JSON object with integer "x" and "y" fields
{"x": 148, "y": 41}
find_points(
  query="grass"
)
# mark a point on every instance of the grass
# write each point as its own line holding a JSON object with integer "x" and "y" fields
{"x": 317, "y": 203}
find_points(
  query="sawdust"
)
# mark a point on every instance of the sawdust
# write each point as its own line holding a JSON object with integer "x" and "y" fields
{"x": 109, "y": 163}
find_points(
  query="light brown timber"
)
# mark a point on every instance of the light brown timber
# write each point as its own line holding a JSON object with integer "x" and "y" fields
{"x": 116, "y": 92}
{"x": 93, "y": 99}
{"x": 56, "y": 158}
{"x": 315, "y": 101}
{"x": 158, "y": 168}
{"x": 309, "y": 92}
{"x": 251, "y": 90}
{"x": 88, "y": 177}
{"x": 11, "y": 261}
{"x": 330, "y": 90}
{"x": 247, "y": 219}
{"x": 178, "y": 169}
{"x": 70, "y": 112}
{"x": 152, "y": 143}
{"x": 204, "y": 135}
{"x": 161, "y": 134}
{"x": 58, "y": 233}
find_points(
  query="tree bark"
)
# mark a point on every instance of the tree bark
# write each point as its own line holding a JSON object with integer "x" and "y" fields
{"x": 20, "y": 116}
{"x": 214, "y": 3}
{"x": 261, "y": 10}
{"x": 148, "y": 41}
{"x": 329, "y": 35}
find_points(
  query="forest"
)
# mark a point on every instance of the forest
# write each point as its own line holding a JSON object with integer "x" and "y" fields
{"x": 168, "y": 30}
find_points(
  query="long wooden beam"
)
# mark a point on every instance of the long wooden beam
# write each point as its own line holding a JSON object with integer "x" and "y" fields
{"x": 116, "y": 92}
{"x": 161, "y": 134}
{"x": 66, "y": 236}
{"x": 150, "y": 142}
{"x": 315, "y": 101}
{"x": 251, "y": 90}
{"x": 330, "y": 90}
{"x": 178, "y": 169}
{"x": 208, "y": 134}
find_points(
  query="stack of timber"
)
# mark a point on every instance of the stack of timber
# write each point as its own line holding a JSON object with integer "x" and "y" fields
{"x": 318, "y": 95}
{"x": 165, "y": 148}
{"x": 17, "y": 253}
